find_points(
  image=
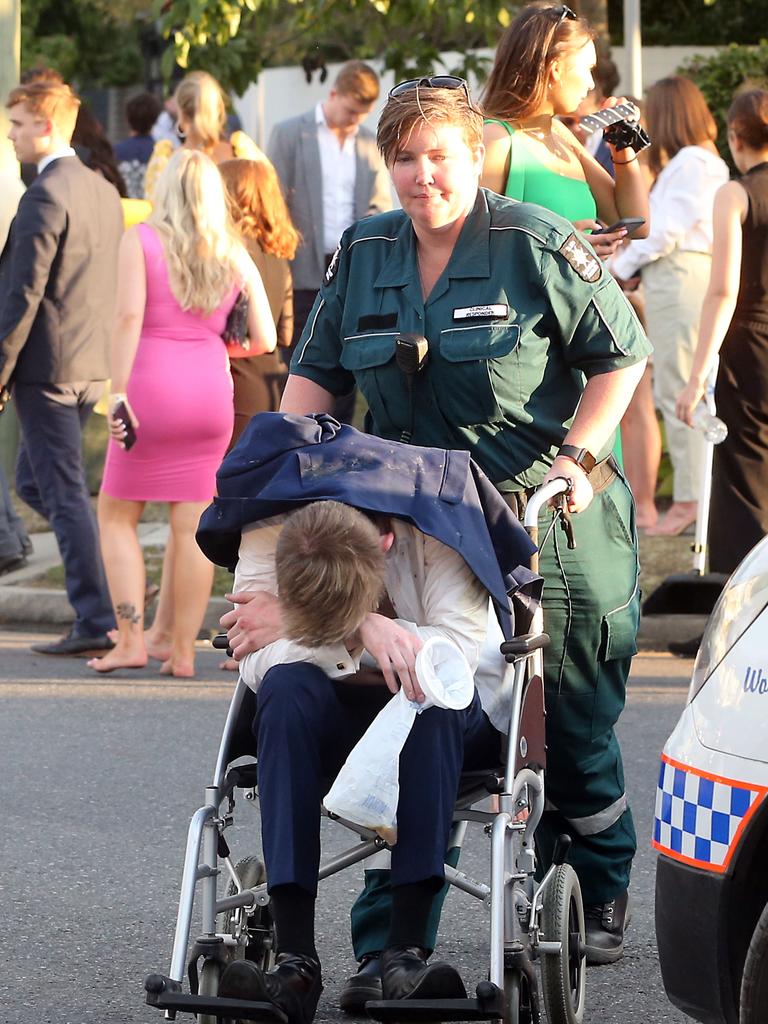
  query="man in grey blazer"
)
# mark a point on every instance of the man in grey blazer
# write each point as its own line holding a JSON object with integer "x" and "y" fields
{"x": 332, "y": 175}
{"x": 58, "y": 277}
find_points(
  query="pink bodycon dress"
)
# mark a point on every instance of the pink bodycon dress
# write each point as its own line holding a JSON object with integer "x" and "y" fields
{"x": 180, "y": 389}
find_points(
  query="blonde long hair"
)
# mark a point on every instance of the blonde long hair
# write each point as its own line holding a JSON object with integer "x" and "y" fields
{"x": 201, "y": 106}
{"x": 202, "y": 249}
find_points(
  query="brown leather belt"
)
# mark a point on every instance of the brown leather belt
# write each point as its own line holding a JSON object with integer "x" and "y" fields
{"x": 602, "y": 476}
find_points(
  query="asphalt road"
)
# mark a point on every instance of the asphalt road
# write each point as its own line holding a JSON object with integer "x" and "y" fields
{"x": 100, "y": 777}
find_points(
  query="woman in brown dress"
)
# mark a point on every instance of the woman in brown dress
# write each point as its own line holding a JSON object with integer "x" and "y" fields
{"x": 260, "y": 213}
{"x": 735, "y": 316}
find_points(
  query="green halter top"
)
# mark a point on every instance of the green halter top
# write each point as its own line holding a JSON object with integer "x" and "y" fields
{"x": 530, "y": 181}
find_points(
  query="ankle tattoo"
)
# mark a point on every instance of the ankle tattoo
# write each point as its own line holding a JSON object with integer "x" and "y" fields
{"x": 126, "y": 610}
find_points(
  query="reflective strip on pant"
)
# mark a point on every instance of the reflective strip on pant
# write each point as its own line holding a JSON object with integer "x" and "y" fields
{"x": 593, "y": 824}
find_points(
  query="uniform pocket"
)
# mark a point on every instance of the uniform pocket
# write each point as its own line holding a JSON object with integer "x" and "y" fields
{"x": 618, "y": 643}
{"x": 370, "y": 357}
{"x": 479, "y": 373}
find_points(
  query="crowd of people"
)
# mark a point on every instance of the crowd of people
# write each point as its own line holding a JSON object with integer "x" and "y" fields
{"x": 247, "y": 282}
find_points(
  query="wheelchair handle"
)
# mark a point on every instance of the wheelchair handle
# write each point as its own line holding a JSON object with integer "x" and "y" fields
{"x": 543, "y": 494}
{"x": 220, "y": 642}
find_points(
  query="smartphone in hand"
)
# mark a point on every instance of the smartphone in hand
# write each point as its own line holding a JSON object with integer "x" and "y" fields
{"x": 630, "y": 223}
{"x": 121, "y": 413}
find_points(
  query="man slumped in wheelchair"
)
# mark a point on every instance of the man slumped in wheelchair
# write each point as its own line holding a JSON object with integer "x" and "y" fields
{"x": 322, "y": 573}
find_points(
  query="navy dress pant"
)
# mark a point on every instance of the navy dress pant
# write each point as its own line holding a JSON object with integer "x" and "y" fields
{"x": 50, "y": 478}
{"x": 13, "y": 535}
{"x": 305, "y": 726}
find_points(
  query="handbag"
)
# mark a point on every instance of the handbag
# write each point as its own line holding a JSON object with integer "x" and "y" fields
{"x": 235, "y": 333}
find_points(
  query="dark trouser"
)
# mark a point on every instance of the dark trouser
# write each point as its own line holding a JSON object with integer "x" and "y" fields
{"x": 591, "y": 612}
{"x": 13, "y": 536}
{"x": 303, "y": 301}
{"x": 50, "y": 478}
{"x": 305, "y": 726}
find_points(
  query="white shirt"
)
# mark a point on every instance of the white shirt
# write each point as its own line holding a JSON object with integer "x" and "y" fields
{"x": 65, "y": 151}
{"x": 433, "y": 592}
{"x": 681, "y": 204}
{"x": 338, "y": 164}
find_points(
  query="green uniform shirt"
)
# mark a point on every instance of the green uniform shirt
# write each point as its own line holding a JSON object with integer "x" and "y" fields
{"x": 523, "y": 312}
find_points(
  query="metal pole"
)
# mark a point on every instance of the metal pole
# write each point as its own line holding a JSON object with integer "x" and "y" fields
{"x": 633, "y": 49}
{"x": 10, "y": 53}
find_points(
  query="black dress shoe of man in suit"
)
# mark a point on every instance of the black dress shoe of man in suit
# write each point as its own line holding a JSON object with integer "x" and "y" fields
{"x": 73, "y": 645}
{"x": 12, "y": 563}
{"x": 405, "y": 974}
{"x": 294, "y": 986}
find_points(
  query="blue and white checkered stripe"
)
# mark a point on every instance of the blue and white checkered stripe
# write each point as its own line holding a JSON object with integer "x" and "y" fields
{"x": 698, "y": 817}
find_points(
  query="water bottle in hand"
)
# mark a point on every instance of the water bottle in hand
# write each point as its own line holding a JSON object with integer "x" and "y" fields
{"x": 711, "y": 426}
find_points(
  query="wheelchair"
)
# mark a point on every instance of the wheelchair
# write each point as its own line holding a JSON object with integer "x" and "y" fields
{"x": 530, "y": 920}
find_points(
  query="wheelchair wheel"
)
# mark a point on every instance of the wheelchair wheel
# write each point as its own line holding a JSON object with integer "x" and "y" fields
{"x": 208, "y": 985}
{"x": 563, "y": 975}
{"x": 518, "y": 1006}
{"x": 260, "y": 947}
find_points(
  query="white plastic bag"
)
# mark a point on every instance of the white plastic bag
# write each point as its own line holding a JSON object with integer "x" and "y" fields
{"x": 367, "y": 788}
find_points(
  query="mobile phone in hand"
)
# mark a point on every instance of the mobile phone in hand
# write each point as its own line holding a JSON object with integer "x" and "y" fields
{"x": 121, "y": 413}
{"x": 630, "y": 223}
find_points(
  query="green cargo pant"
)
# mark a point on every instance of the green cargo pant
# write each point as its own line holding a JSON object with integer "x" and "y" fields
{"x": 591, "y": 612}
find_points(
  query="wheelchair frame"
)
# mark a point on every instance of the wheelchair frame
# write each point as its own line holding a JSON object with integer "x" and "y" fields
{"x": 527, "y": 921}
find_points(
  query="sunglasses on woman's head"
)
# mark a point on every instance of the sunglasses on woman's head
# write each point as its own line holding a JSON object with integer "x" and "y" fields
{"x": 565, "y": 14}
{"x": 437, "y": 82}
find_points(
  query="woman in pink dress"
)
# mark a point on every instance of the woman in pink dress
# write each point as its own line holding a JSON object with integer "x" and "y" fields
{"x": 178, "y": 278}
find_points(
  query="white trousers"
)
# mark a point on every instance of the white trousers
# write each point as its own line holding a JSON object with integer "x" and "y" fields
{"x": 674, "y": 291}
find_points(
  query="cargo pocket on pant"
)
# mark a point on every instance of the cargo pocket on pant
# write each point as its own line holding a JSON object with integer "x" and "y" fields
{"x": 618, "y": 643}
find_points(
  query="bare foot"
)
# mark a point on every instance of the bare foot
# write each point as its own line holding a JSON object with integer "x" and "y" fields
{"x": 118, "y": 659}
{"x": 647, "y": 517}
{"x": 178, "y": 668}
{"x": 158, "y": 647}
{"x": 229, "y": 665}
{"x": 680, "y": 517}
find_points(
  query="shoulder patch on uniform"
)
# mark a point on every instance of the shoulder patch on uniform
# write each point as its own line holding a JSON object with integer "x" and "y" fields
{"x": 333, "y": 266}
{"x": 585, "y": 263}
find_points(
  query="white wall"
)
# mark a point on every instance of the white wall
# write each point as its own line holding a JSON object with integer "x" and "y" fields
{"x": 284, "y": 92}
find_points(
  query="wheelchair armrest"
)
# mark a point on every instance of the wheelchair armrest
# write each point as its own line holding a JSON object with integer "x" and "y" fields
{"x": 524, "y": 645}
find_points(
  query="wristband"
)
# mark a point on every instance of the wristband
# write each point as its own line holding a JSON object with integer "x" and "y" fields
{"x": 584, "y": 459}
{"x": 618, "y": 163}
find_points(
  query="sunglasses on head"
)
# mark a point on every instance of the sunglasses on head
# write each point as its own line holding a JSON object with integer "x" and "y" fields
{"x": 565, "y": 14}
{"x": 437, "y": 82}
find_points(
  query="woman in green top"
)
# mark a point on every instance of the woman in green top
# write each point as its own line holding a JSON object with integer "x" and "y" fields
{"x": 543, "y": 68}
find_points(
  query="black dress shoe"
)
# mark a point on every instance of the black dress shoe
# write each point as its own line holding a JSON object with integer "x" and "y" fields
{"x": 26, "y": 546}
{"x": 364, "y": 985}
{"x": 405, "y": 974}
{"x": 605, "y": 926}
{"x": 71, "y": 644}
{"x": 12, "y": 563}
{"x": 294, "y": 986}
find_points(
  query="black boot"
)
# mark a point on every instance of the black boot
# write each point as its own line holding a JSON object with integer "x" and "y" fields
{"x": 405, "y": 974}
{"x": 605, "y": 927}
{"x": 364, "y": 985}
{"x": 294, "y": 986}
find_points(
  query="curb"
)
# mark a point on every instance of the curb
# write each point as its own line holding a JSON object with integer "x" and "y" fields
{"x": 35, "y": 606}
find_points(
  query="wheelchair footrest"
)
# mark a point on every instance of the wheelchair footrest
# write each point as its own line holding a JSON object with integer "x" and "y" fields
{"x": 490, "y": 1008}
{"x": 233, "y": 1009}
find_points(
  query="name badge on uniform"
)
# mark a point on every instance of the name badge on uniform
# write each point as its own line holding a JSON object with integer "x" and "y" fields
{"x": 479, "y": 312}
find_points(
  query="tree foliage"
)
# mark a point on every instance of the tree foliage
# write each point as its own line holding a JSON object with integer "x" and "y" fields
{"x": 694, "y": 22}
{"x": 720, "y": 76}
{"x": 235, "y": 39}
{"x": 88, "y": 41}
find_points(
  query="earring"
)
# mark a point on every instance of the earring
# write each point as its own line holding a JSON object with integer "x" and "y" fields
{"x": 180, "y": 133}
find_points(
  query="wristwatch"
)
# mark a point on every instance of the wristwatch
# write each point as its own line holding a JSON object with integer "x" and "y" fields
{"x": 583, "y": 458}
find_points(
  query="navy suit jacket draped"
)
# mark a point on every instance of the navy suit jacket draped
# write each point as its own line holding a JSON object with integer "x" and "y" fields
{"x": 284, "y": 461}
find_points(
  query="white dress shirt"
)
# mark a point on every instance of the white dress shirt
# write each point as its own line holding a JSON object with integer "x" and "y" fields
{"x": 681, "y": 204}
{"x": 433, "y": 592}
{"x": 65, "y": 151}
{"x": 338, "y": 165}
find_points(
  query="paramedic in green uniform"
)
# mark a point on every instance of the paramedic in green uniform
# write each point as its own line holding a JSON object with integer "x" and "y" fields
{"x": 533, "y": 355}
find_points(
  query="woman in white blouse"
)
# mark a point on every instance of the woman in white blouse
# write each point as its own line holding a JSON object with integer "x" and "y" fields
{"x": 674, "y": 262}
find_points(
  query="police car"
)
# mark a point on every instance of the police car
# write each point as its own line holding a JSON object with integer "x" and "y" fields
{"x": 711, "y": 818}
